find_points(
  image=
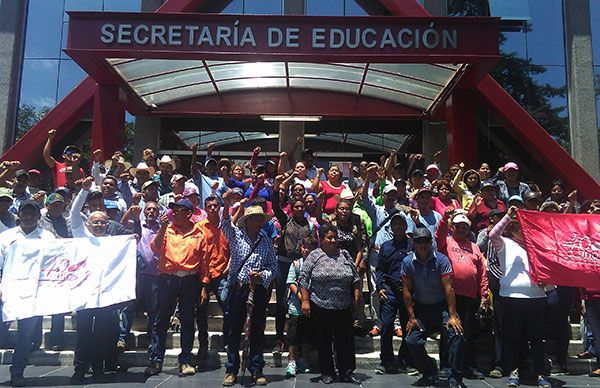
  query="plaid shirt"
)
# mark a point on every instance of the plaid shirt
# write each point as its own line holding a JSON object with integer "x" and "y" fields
{"x": 263, "y": 259}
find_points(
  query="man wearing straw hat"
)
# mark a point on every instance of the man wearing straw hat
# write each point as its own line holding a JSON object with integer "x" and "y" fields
{"x": 253, "y": 264}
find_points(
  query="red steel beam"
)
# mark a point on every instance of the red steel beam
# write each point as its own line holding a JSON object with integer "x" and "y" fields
{"x": 108, "y": 128}
{"x": 534, "y": 137}
{"x": 67, "y": 113}
{"x": 518, "y": 122}
{"x": 63, "y": 117}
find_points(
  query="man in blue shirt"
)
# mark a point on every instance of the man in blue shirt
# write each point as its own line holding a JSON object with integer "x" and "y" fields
{"x": 431, "y": 306}
{"x": 389, "y": 290}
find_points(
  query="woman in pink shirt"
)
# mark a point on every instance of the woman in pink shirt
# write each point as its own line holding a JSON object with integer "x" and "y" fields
{"x": 332, "y": 188}
{"x": 443, "y": 200}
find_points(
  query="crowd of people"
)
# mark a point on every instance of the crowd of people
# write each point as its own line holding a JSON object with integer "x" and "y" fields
{"x": 438, "y": 251}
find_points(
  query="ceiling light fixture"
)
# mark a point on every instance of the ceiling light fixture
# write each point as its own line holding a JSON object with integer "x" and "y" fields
{"x": 290, "y": 118}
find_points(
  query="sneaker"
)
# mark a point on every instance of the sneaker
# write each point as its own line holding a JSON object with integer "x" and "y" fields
{"x": 186, "y": 370}
{"x": 259, "y": 379}
{"x": 425, "y": 381}
{"x": 474, "y": 373}
{"x": 542, "y": 382}
{"x": 496, "y": 373}
{"x": 121, "y": 345}
{"x": 229, "y": 380}
{"x": 381, "y": 369}
{"x": 290, "y": 371}
{"x": 410, "y": 371}
{"x": 350, "y": 378}
{"x": 326, "y": 379}
{"x": 398, "y": 332}
{"x": 154, "y": 369}
{"x": 78, "y": 378}
{"x": 444, "y": 373}
{"x": 513, "y": 379}
{"x": 453, "y": 384}
{"x": 17, "y": 380}
{"x": 56, "y": 348}
{"x": 279, "y": 347}
{"x": 302, "y": 366}
{"x": 559, "y": 370}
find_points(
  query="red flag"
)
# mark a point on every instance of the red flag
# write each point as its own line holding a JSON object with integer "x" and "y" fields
{"x": 563, "y": 249}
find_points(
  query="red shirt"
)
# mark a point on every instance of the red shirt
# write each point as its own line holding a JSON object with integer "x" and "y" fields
{"x": 58, "y": 174}
{"x": 468, "y": 266}
{"x": 481, "y": 217}
{"x": 330, "y": 196}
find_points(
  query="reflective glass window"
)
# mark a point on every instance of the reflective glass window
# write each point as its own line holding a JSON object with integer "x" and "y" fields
{"x": 70, "y": 74}
{"x": 82, "y": 5}
{"x": 123, "y": 5}
{"x": 263, "y": 7}
{"x": 327, "y": 8}
{"x": 236, "y": 6}
{"x": 44, "y": 27}
{"x": 38, "y": 82}
{"x": 352, "y": 8}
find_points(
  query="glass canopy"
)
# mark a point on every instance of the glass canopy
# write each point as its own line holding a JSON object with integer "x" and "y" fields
{"x": 162, "y": 81}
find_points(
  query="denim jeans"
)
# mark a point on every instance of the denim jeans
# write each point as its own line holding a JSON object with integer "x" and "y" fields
{"x": 215, "y": 287}
{"x": 172, "y": 290}
{"x": 146, "y": 298}
{"x": 389, "y": 309}
{"x": 559, "y": 302}
{"x": 433, "y": 318}
{"x": 25, "y": 337}
{"x": 237, "y": 316}
{"x": 592, "y": 310}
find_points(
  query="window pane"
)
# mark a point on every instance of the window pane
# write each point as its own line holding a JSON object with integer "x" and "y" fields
{"x": 38, "y": 82}
{"x": 172, "y": 80}
{"x": 250, "y": 83}
{"x": 264, "y": 7}
{"x": 236, "y": 6}
{"x": 43, "y": 29}
{"x": 351, "y": 8}
{"x": 123, "y": 5}
{"x": 248, "y": 70}
{"x": 315, "y": 70}
{"x": 70, "y": 74}
{"x": 330, "y": 85}
{"x": 398, "y": 97}
{"x": 327, "y": 8}
{"x": 82, "y": 5}
{"x": 547, "y": 26}
{"x": 594, "y": 11}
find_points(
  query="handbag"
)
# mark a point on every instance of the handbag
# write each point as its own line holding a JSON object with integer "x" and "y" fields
{"x": 227, "y": 290}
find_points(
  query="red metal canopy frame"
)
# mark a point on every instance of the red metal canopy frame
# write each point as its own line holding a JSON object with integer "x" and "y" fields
{"x": 108, "y": 102}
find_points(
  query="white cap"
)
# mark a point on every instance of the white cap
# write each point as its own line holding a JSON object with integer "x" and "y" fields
{"x": 461, "y": 219}
{"x": 389, "y": 188}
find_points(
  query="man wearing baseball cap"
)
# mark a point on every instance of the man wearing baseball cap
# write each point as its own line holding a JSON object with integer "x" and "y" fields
{"x": 28, "y": 231}
{"x": 431, "y": 305}
{"x": 511, "y": 185}
{"x": 71, "y": 156}
{"x": 7, "y": 219}
{"x": 469, "y": 280}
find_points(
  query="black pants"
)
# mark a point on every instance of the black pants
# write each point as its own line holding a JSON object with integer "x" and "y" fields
{"x": 97, "y": 334}
{"x": 497, "y": 321}
{"x": 334, "y": 326}
{"x": 524, "y": 321}
{"x": 281, "y": 290}
{"x": 559, "y": 302}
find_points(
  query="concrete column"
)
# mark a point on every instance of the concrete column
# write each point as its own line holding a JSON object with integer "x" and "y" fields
{"x": 580, "y": 85}
{"x": 13, "y": 21}
{"x": 434, "y": 139}
{"x": 436, "y": 7}
{"x": 146, "y": 135}
{"x": 434, "y": 133}
{"x": 146, "y": 129}
{"x": 151, "y": 5}
{"x": 289, "y": 131}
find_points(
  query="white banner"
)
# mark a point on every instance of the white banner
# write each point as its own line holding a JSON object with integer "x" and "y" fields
{"x": 66, "y": 275}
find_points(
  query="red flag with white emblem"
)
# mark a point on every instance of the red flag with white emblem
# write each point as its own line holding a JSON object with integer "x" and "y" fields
{"x": 563, "y": 249}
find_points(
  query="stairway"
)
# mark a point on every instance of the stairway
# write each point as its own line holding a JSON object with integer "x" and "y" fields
{"x": 367, "y": 348}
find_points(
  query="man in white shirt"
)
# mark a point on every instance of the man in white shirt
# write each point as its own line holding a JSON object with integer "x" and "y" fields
{"x": 29, "y": 215}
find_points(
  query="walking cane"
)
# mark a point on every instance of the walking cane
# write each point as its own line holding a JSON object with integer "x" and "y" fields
{"x": 247, "y": 330}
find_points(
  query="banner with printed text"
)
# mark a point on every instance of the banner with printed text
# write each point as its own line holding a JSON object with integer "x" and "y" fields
{"x": 563, "y": 249}
{"x": 66, "y": 275}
